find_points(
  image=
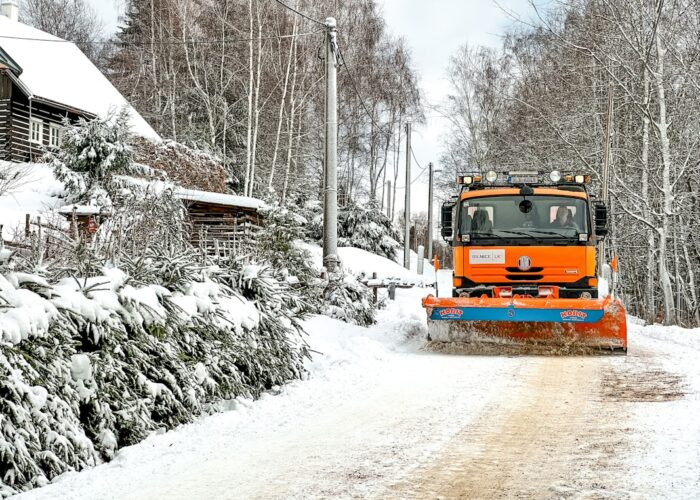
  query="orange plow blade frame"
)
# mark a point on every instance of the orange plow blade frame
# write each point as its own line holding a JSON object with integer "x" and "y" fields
{"x": 594, "y": 323}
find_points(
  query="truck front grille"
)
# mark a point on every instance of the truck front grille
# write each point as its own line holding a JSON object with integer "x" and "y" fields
{"x": 524, "y": 277}
{"x": 531, "y": 270}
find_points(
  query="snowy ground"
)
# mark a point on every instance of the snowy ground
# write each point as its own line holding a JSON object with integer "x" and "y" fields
{"x": 379, "y": 417}
{"x": 36, "y": 194}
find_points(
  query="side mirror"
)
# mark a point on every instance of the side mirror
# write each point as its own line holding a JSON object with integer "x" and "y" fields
{"x": 601, "y": 220}
{"x": 446, "y": 230}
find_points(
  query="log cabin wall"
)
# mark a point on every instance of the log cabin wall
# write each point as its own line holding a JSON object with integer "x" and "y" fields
{"x": 5, "y": 96}
{"x": 15, "y": 113}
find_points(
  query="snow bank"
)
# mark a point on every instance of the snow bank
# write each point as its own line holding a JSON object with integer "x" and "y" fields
{"x": 681, "y": 337}
{"x": 356, "y": 261}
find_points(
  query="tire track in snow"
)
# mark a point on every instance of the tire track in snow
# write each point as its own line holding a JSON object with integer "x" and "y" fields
{"x": 556, "y": 438}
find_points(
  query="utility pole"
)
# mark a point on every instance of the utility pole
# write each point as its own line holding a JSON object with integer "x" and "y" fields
{"x": 407, "y": 203}
{"x": 431, "y": 173}
{"x": 388, "y": 199}
{"x": 606, "y": 176}
{"x": 430, "y": 210}
{"x": 330, "y": 189}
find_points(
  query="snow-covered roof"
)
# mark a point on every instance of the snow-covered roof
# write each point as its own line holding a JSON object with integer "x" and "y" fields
{"x": 229, "y": 200}
{"x": 56, "y": 70}
{"x": 82, "y": 210}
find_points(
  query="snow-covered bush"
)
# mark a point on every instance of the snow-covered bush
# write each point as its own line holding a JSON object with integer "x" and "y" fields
{"x": 90, "y": 365}
{"x": 312, "y": 211}
{"x": 281, "y": 230}
{"x": 91, "y": 153}
{"x": 367, "y": 228}
{"x": 339, "y": 296}
{"x": 346, "y": 299}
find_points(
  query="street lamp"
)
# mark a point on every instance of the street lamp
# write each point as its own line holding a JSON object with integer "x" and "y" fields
{"x": 431, "y": 172}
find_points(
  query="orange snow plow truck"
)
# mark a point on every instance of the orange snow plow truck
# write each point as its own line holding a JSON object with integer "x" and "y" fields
{"x": 524, "y": 251}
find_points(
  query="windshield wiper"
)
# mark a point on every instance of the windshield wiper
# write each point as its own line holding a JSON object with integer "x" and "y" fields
{"x": 553, "y": 233}
{"x": 522, "y": 233}
{"x": 482, "y": 234}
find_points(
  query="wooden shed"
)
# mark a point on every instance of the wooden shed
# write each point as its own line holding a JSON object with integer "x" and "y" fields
{"x": 222, "y": 222}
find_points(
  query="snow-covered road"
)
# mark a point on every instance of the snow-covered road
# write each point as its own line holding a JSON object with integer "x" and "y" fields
{"x": 379, "y": 417}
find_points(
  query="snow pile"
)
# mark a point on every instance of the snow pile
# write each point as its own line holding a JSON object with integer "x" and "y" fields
{"x": 359, "y": 262}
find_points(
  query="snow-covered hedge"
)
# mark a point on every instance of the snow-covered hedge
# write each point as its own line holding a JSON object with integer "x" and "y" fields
{"x": 132, "y": 330}
{"x": 90, "y": 365}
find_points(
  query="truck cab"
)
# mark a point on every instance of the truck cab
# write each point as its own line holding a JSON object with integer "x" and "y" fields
{"x": 524, "y": 234}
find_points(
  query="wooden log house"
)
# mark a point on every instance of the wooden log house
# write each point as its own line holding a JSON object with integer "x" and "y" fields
{"x": 29, "y": 124}
{"x": 45, "y": 80}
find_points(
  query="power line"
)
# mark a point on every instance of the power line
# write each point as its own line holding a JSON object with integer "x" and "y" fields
{"x": 416, "y": 160}
{"x": 179, "y": 42}
{"x": 420, "y": 174}
{"x": 300, "y": 13}
{"x": 357, "y": 92}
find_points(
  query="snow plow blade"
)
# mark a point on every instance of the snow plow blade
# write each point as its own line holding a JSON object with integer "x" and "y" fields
{"x": 528, "y": 325}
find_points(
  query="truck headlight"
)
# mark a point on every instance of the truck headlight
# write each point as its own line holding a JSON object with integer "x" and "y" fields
{"x": 555, "y": 176}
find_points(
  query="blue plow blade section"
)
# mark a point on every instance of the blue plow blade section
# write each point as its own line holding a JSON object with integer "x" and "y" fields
{"x": 513, "y": 314}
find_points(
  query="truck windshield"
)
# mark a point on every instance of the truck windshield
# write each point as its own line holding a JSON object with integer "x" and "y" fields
{"x": 533, "y": 217}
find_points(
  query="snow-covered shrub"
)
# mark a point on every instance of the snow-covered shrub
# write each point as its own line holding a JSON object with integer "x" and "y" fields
{"x": 40, "y": 430}
{"x": 93, "y": 364}
{"x": 281, "y": 230}
{"x": 339, "y": 296}
{"x": 346, "y": 299}
{"x": 367, "y": 228}
{"x": 91, "y": 153}
{"x": 276, "y": 354}
{"x": 312, "y": 211}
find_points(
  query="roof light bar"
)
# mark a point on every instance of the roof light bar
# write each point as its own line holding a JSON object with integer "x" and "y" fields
{"x": 465, "y": 179}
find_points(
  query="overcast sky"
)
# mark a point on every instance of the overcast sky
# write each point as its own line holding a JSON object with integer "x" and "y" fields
{"x": 109, "y": 11}
{"x": 433, "y": 29}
